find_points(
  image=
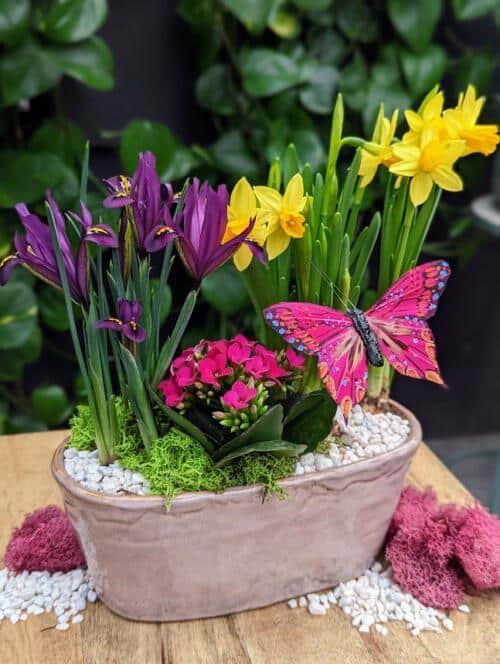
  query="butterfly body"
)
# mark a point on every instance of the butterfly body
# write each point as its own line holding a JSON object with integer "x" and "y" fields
{"x": 368, "y": 337}
{"x": 394, "y": 328}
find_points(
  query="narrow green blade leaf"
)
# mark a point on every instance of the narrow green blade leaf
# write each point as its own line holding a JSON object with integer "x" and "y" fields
{"x": 280, "y": 447}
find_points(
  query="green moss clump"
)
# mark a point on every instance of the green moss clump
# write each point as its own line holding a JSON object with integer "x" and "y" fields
{"x": 177, "y": 463}
{"x": 82, "y": 429}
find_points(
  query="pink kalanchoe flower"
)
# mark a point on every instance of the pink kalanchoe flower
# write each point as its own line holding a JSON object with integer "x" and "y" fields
{"x": 212, "y": 369}
{"x": 173, "y": 393}
{"x": 295, "y": 360}
{"x": 240, "y": 349}
{"x": 263, "y": 365}
{"x": 217, "y": 348}
{"x": 239, "y": 396}
{"x": 185, "y": 375}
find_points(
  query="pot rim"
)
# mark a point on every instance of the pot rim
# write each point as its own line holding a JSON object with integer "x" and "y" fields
{"x": 131, "y": 501}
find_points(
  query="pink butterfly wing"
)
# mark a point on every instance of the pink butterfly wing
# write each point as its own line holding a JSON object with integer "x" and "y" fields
{"x": 398, "y": 320}
{"x": 416, "y": 293}
{"x": 330, "y": 335}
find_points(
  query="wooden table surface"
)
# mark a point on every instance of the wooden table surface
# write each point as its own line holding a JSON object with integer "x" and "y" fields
{"x": 275, "y": 635}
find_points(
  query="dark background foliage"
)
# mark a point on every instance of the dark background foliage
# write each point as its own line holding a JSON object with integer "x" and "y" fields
{"x": 219, "y": 87}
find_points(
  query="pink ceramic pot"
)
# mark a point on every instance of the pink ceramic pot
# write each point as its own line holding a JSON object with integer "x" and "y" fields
{"x": 214, "y": 554}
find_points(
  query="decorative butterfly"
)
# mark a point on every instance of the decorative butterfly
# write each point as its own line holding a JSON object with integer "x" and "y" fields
{"x": 393, "y": 327}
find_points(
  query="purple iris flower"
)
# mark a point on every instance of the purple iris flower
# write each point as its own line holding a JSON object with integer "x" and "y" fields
{"x": 129, "y": 312}
{"x": 144, "y": 193}
{"x": 34, "y": 250}
{"x": 100, "y": 234}
{"x": 199, "y": 231}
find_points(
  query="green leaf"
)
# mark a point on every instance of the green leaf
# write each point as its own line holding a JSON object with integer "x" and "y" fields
{"x": 477, "y": 68}
{"x": 313, "y": 5}
{"x": 357, "y": 20}
{"x": 62, "y": 138}
{"x": 318, "y": 95}
{"x": 174, "y": 160}
{"x": 392, "y": 97}
{"x": 51, "y": 404}
{"x": 25, "y": 72}
{"x": 24, "y": 424}
{"x": 215, "y": 91}
{"x": 90, "y": 62}
{"x": 310, "y": 419}
{"x": 253, "y": 14}
{"x": 328, "y": 47}
{"x": 232, "y": 155}
{"x": 225, "y": 291}
{"x": 425, "y": 70}
{"x": 266, "y": 72}
{"x": 12, "y": 364}
{"x": 53, "y": 309}
{"x": 284, "y": 24}
{"x": 280, "y": 447}
{"x": 310, "y": 148}
{"x": 25, "y": 176}
{"x": 14, "y": 20}
{"x": 465, "y": 10}
{"x": 170, "y": 346}
{"x": 415, "y": 21}
{"x": 70, "y": 20}
{"x": 267, "y": 427}
{"x": 166, "y": 299}
{"x": 18, "y": 312}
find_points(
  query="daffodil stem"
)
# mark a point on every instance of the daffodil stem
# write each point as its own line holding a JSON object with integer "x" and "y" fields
{"x": 403, "y": 241}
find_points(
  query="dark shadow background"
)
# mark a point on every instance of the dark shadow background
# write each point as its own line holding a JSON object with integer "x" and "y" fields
{"x": 155, "y": 71}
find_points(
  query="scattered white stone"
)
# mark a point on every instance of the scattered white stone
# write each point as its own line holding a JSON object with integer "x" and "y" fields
{"x": 375, "y": 599}
{"x": 34, "y": 593}
{"x": 84, "y": 468}
{"x": 366, "y": 435}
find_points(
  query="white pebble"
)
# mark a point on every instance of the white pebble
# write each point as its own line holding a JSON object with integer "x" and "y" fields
{"x": 91, "y": 596}
{"x": 448, "y": 624}
{"x": 317, "y": 609}
{"x": 292, "y": 603}
{"x": 464, "y": 608}
{"x": 62, "y": 627}
{"x": 77, "y": 619}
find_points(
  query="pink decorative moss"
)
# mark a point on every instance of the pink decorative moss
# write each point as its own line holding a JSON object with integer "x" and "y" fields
{"x": 45, "y": 541}
{"x": 438, "y": 552}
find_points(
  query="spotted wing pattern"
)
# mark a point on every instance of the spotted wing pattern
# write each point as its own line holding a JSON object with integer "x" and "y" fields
{"x": 330, "y": 335}
{"x": 398, "y": 320}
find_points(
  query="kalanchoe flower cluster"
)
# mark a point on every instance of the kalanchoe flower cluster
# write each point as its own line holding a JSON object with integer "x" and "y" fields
{"x": 235, "y": 379}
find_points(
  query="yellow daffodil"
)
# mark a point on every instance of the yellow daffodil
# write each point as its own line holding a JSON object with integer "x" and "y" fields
{"x": 428, "y": 116}
{"x": 285, "y": 214}
{"x": 380, "y": 150}
{"x": 428, "y": 163}
{"x": 461, "y": 122}
{"x": 243, "y": 207}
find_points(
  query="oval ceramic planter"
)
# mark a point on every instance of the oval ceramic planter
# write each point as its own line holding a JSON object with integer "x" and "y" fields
{"x": 214, "y": 554}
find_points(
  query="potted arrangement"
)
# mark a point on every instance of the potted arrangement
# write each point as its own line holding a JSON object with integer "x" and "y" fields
{"x": 195, "y": 477}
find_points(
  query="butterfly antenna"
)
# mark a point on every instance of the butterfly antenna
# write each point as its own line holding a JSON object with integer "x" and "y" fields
{"x": 342, "y": 297}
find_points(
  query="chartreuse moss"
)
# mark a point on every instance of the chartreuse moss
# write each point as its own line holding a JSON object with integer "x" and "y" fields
{"x": 177, "y": 463}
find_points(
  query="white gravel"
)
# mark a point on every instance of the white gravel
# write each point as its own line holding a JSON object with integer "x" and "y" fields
{"x": 366, "y": 435}
{"x": 374, "y": 600}
{"x": 84, "y": 468}
{"x": 34, "y": 593}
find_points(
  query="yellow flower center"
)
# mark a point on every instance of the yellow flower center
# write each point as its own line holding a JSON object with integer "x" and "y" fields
{"x": 432, "y": 156}
{"x": 292, "y": 223}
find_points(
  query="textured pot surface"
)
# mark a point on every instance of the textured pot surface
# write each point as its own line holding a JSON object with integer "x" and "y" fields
{"x": 214, "y": 554}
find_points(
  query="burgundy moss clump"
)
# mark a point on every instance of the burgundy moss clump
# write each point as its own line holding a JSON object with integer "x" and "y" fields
{"x": 438, "y": 552}
{"x": 45, "y": 542}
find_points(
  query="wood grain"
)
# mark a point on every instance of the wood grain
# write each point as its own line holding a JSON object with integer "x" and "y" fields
{"x": 275, "y": 635}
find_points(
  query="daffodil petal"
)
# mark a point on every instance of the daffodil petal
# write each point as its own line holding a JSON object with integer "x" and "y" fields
{"x": 447, "y": 179}
{"x": 269, "y": 198}
{"x": 242, "y": 258}
{"x": 406, "y": 152}
{"x": 406, "y": 168}
{"x": 242, "y": 201}
{"x": 420, "y": 188}
{"x": 277, "y": 243}
{"x": 293, "y": 198}
{"x": 414, "y": 120}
